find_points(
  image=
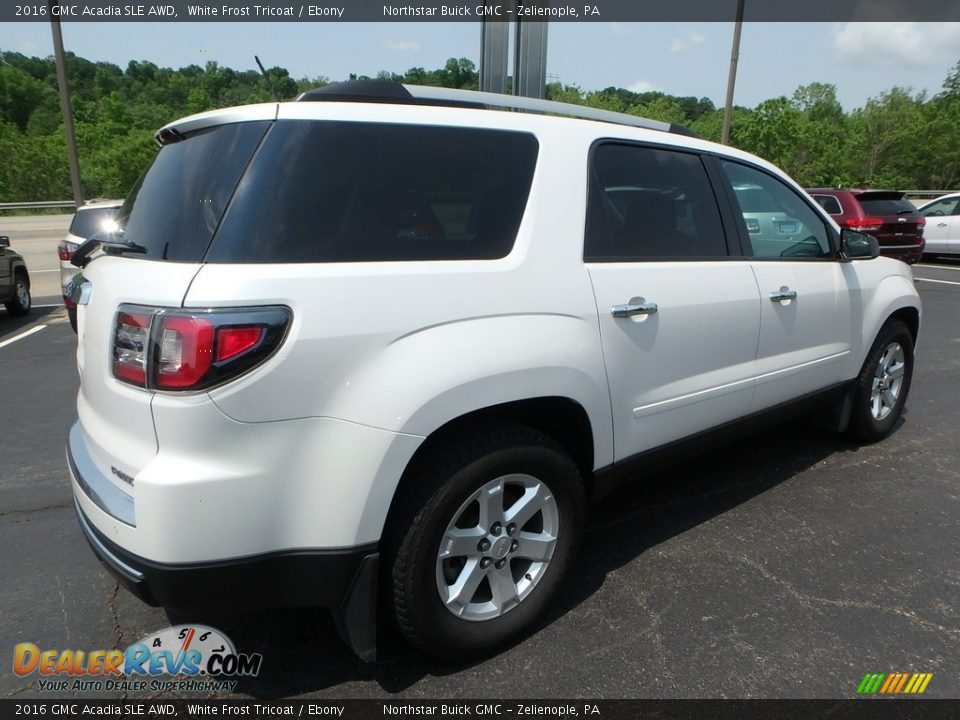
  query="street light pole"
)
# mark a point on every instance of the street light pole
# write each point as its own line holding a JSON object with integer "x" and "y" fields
{"x": 65, "y": 105}
{"x": 732, "y": 77}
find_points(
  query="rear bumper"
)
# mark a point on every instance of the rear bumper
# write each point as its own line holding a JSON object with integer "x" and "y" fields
{"x": 905, "y": 253}
{"x": 305, "y": 578}
{"x": 221, "y": 489}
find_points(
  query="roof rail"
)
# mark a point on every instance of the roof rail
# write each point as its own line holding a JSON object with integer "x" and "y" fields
{"x": 384, "y": 91}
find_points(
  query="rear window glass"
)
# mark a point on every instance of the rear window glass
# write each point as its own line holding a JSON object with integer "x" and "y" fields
{"x": 89, "y": 222}
{"x": 341, "y": 191}
{"x": 175, "y": 207}
{"x": 885, "y": 205}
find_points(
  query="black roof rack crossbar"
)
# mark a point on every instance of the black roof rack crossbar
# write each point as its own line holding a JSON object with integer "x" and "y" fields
{"x": 384, "y": 91}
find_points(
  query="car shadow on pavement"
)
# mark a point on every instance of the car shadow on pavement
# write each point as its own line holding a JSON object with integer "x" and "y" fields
{"x": 303, "y": 653}
{"x": 10, "y": 325}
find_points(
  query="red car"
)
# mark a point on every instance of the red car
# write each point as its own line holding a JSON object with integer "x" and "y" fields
{"x": 886, "y": 214}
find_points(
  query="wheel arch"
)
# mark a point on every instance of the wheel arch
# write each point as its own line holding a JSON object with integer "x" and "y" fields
{"x": 20, "y": 268}
{"x": 562, "y": 418}
{"x": 910, "y": 316}
{"x": 895, "y": 297}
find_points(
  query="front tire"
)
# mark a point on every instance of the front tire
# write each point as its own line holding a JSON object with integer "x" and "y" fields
{"x": 20, "y": 303}
{"x": 483, "y": 539}
{"x": 881, "y": 388}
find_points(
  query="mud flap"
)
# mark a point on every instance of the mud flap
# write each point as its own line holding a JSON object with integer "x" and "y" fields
{"x": 356, "y": 618}
{"x": 837, "y": 417}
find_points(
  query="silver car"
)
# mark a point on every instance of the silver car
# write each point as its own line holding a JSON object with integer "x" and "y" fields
{"x": 91, "y": 218}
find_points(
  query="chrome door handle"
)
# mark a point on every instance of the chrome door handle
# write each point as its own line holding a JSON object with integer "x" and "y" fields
{"x": 631, "y": 309}
{"x": 782, "y": 294}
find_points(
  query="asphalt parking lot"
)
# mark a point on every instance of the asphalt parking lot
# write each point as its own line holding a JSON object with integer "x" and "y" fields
{"x": 787, "y": 565}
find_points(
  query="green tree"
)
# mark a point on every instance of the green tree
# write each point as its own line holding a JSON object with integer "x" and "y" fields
{"x": 886, "y": 147}
{"x": 896, "y": 140}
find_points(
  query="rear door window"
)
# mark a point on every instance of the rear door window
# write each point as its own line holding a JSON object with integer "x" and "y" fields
{"x": 321, "y": 191}
{"x": 175, "y": 207}
{"x": 650, "y": 203}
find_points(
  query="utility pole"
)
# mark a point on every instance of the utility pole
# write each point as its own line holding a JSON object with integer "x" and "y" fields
{"x": 65, "y": 106}
{"x": 530, "y": 55}
{"x": 732, "y": 78}
{"x": 494, "y": 39}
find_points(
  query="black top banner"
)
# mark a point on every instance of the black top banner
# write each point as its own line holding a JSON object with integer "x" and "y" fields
{"x": 479, "y": 10}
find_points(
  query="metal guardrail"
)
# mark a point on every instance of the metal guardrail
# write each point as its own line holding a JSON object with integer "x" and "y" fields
{"x": 37, "y": 205}
{"x": 928, "y": 193}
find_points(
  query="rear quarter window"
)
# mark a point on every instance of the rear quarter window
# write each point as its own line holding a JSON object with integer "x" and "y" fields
{"x": 322, "y": 191}
{"x": 829, "y": 203}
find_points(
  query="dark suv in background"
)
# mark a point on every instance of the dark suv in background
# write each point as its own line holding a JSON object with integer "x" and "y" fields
{"x": 886, "y": 214}
{"x": 14, "y": 280}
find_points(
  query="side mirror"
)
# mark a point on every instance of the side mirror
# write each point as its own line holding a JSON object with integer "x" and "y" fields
{"x": 4, "y": 241}
{"x": 858, "y": 246}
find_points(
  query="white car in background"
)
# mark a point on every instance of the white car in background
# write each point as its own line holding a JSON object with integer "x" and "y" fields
{"x": 93, "y": 217}
{"x": 942, "y": 232}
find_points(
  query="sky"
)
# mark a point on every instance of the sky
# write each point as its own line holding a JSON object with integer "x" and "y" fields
{"x": 861, "y": 59}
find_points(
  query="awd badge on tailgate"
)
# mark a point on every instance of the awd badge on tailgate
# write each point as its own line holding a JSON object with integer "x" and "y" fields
{"x": 122, "y": 475}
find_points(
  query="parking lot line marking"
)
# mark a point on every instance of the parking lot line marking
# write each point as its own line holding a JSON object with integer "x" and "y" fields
{"x": 22, "y": 335}
{"x": 939, "y": 267}
{"x": 37, "y": 272}
{"x": 942, "y": 282}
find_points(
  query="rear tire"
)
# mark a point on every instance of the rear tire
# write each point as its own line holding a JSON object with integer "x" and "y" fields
{"x": 881, "y": 389}
{"x": 20, "y": 303}
{"x": 482, "y": 539}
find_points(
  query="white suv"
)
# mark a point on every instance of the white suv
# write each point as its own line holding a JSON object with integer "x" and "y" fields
{"x": 387, "y": 337}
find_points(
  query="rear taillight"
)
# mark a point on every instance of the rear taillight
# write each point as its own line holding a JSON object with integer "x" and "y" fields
{"x": 65, "y": 250}
{"x": 236, "y": 340}
{"x": 921, "y": 224}
{"x": 865, "y": 224}
{"x": 179, "y": 350}
{"x": 130, "y": 347}
{"x": 184, "y": 351}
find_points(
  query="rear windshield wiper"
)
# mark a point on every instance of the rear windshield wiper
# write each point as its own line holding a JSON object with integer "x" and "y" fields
{"x": 906, "y": 211}
{"x": 112, "y": 244}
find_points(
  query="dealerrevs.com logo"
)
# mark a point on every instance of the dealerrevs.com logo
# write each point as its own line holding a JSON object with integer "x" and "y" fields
{"x": 184, "y": 657}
